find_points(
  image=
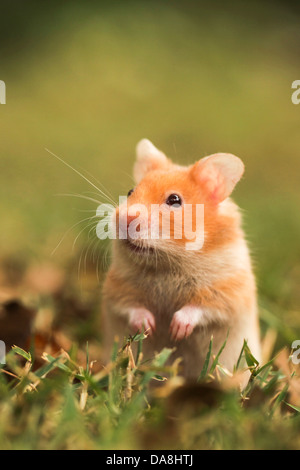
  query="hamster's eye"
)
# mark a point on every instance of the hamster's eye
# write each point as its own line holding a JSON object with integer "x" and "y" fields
{"x": 173, "y": 200}
{"x": 130, "y": 192}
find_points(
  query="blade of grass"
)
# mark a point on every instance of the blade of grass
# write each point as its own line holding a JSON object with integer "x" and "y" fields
{"x": 22, "y": 353}
{"x": 215, "y": 362}
{"x": 206, "y": 362}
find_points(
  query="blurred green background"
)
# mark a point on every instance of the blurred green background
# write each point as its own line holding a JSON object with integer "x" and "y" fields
{"x": 89, "y": 79}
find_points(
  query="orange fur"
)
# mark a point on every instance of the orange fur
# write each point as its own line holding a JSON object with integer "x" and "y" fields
{"x": 188, "y": 295}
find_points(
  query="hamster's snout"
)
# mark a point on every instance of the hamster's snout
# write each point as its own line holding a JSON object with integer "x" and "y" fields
{"x": 132, "y": 223}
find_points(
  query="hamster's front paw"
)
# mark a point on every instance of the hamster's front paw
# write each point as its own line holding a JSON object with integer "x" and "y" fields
{"x": 184, "y": 322}
{"x": 141, "y": 319}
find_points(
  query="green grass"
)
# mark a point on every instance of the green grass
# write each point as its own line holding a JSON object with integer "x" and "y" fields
{"x": 120, "y": 408}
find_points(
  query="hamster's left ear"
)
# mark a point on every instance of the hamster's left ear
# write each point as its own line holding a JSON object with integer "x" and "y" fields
{"x": 148, "y": 158}
{"x": 218, "y": 174}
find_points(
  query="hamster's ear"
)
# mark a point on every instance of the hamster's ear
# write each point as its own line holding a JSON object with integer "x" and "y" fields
{"x": 148, "y": 158}
{"x": 218, "y": 174}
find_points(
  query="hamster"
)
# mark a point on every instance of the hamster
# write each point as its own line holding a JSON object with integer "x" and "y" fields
{"x": 183, "y": 296}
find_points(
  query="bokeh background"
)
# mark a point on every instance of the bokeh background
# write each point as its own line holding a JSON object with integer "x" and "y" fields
{"x": 88, "y": 80}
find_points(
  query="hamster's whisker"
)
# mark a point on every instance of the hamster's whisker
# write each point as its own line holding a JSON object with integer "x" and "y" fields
{"x": 92, "y": 222}
{"x": 129, "y": 176}
{"x": 86, "y": 210}
{"x": 81, "y": 196}
{"x": 77, "y": 172}
{"x": 84, "y": 253}
{"x": 79, "y": 263}
{"x": 68, "y": 231}
{"x": 91, "y": 230}
{"x": 104, "y": 260}
{"x": 107, "y": 192}
{"x": 109, "y": 199}
{"x": 90, "y": 245}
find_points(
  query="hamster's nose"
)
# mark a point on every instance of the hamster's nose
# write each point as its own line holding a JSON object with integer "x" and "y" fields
{"x": 124, "y": 221}
{"x": 130, "y": 218}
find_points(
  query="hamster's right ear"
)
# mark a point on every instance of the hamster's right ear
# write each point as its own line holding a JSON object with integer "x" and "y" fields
{"x": 218, "y": 174}
{"x": 148, "y": 158}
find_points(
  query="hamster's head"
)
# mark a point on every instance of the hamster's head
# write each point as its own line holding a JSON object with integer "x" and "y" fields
{"x": 175, "y": 211}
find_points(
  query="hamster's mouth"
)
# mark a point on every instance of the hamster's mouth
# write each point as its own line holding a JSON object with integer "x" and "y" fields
{"x": 138, "y": 248}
